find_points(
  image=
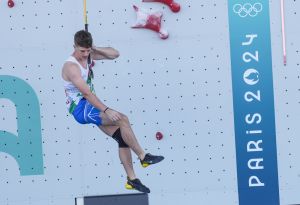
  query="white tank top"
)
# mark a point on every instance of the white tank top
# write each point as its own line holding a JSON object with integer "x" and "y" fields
{"x": 73, "y": 94}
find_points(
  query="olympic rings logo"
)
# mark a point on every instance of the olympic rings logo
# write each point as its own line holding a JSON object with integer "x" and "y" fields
{"x": 247, "y": 9}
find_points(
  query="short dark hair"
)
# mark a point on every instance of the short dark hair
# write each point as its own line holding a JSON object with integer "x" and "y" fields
{"x": 83, "y": 39}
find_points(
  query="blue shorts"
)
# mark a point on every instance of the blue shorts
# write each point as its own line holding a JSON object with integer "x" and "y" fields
{"x": 86, "y": 113}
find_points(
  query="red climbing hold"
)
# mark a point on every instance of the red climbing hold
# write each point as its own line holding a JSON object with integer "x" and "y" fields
{"x": 159, "y": 135}
{"x": 150, "y": 20}
{"x": 175, "y": 7}
{"x": 10, "y": 3}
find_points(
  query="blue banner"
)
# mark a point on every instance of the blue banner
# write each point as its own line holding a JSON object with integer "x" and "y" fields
{"x": 253, "y": 101}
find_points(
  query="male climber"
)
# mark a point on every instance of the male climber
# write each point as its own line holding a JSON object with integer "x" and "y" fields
{"x": 87, "y": 108}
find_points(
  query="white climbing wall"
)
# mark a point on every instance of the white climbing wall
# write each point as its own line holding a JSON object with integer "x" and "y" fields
{"x": 287, "y": 101}
{"x": 180, "y": 86}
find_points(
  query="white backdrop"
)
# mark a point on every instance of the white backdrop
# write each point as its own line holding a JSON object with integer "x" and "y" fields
{"x": 180, "y": 86}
